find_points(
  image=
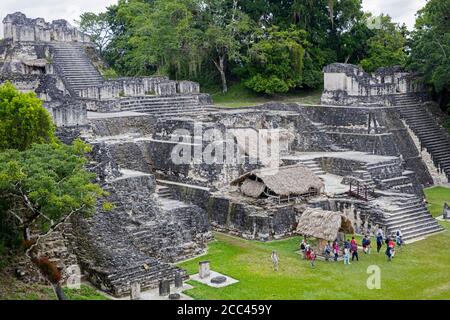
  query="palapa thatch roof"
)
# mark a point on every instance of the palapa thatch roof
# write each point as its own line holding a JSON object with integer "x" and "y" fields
{"x": 283, "y": 181}
{"x": 252, "y": 188}
{"x": 41, "y": 63}
{"x": 323, "y": 224}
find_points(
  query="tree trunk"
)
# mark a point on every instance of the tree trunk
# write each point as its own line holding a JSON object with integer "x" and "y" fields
{"x": 221, "y": 68}
{"x": 26, "y": 234}
{"x": 59, "y": 291}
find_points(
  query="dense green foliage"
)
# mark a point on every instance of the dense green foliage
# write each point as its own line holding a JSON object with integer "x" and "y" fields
{"x": 271, "y": 46}
{"x": 430, "y": 49}
{"x": 41, "y": 180}
{"x": 275, "y": 61}
{"x": 42, "y": 185}
{"x": 23, "y": 119}
{"x": 387, "y": 47}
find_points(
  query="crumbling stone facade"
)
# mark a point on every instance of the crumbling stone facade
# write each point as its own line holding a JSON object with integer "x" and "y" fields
{"x": 346, "y": 84}
{"x": 357, "y": 142}
{"x": 18, "y": 27}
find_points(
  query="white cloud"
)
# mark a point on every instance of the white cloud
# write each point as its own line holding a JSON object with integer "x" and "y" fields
{"x": 401, "y": 11}
{"x": 52, "y": 9}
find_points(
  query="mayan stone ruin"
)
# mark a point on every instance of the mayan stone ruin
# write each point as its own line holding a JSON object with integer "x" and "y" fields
{"x": 365, "y": 153}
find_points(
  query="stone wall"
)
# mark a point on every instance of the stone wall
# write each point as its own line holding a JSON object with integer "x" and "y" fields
{"x": 133, "y": 87}
{"x": 249, "y": 221}
{"x": 349, "y": 127}
{"x": 346, "y": 84}
{"x": 18, "y": 27}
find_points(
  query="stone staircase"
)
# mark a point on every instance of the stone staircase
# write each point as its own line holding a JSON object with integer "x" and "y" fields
{"x": 166, "y": 107}
{"x": 432, "y": 136}
{"x": 313, "y": 166}
{"x": 411, "y": 216}
{"x": 148, "y": 273}
{"x": 167, "y": 199}
{"x": 389, "y": 175}
{"x": 365, "y": 178}
{"x": 405, "y": 100}
{"x": 75, "y": 67}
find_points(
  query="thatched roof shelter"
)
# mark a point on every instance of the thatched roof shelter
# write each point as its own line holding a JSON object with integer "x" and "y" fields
{"x": 39, "y": 63}
{"x": 323, "y": 224}
{"x": 252, "y": 188}
{"x": 283, "y": 181}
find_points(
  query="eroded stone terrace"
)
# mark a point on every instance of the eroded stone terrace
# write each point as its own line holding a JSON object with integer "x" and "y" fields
{"x": 368, "y": 133}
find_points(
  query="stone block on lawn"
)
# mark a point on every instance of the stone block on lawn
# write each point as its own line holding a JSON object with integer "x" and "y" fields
{"x": 135, "y": 291}
{"x": 219, "y": 280}
{"x": 204, "y": 270}
{"x": 174, "y": 296}
{"x": 178, "y": 281}
{"x": 164, "y": 288}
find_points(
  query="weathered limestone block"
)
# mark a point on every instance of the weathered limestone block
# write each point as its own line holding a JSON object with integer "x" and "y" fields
{"x": 346, "y": 84}
{"x": 164, "y": 288}
{"x": 20, "y": 28}
{"x": 135, "y": 291}
{"x": 188, "y": 87}
{"x": 204, "y": 269}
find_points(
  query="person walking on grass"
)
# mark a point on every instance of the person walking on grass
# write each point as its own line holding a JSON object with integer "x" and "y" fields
{"x": 303, "y": 245}
{"x": 354, "y": 249}
{"x": 336, "y": 250}
{"x": 390, "y": 249}
{"x": 347, "y": 244}
{"x": 379, "y": 242}
{"x": 312, "y": 258}
{"x": 346, "y": 256}
{"x": 275, "y": 260}
{"x": 327, "y": 251}
{"x": 391, "y": 245}
{"x": 366, "y": 243}
{"x": 308, "y": 252}
{"x": 398, "y": 238}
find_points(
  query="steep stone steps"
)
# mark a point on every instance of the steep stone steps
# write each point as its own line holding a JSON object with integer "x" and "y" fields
{"x": 164, "y": 192}
{"x": 77, "y": 71}
{"x": 431, "y": 135}
{"x": 411, "y": 217}
{"x": 313, "y": 166}
{"x": 165, "y": 107}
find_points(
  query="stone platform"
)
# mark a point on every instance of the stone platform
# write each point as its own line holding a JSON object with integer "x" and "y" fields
{"x": 207, "y": 281}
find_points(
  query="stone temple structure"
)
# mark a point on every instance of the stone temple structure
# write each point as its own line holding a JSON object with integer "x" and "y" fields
{"x": 178, "y": 168}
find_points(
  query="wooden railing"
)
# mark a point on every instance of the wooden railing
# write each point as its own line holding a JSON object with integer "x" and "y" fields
{"x": 360, "y": 191}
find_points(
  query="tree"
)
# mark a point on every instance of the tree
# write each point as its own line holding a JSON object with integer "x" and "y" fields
{"x": 275, "y": 61}
{"x": 42, "y": 182}
{"x": 353, "y": 43}
{"x": 227, "y": 31}
{"x": 45, "y": 184}
{"x": 430, "y": 52}
{"x": 23, "y": 119}
{"x": 98, "y": 28}
{"x": 387, "y": 47}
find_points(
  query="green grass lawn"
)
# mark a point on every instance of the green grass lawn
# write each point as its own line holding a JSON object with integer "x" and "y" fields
{"x": 238, "y": 96}
{"x": 436, "y": 198}
{"x": 421, "y": 270}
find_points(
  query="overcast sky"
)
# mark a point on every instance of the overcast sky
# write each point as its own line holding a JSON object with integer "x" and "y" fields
{"x": 400, "y": 10}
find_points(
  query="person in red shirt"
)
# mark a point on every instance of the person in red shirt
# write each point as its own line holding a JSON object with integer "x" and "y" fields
{"x": 308, "y": 252}
{"x": 392, "y": 247}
